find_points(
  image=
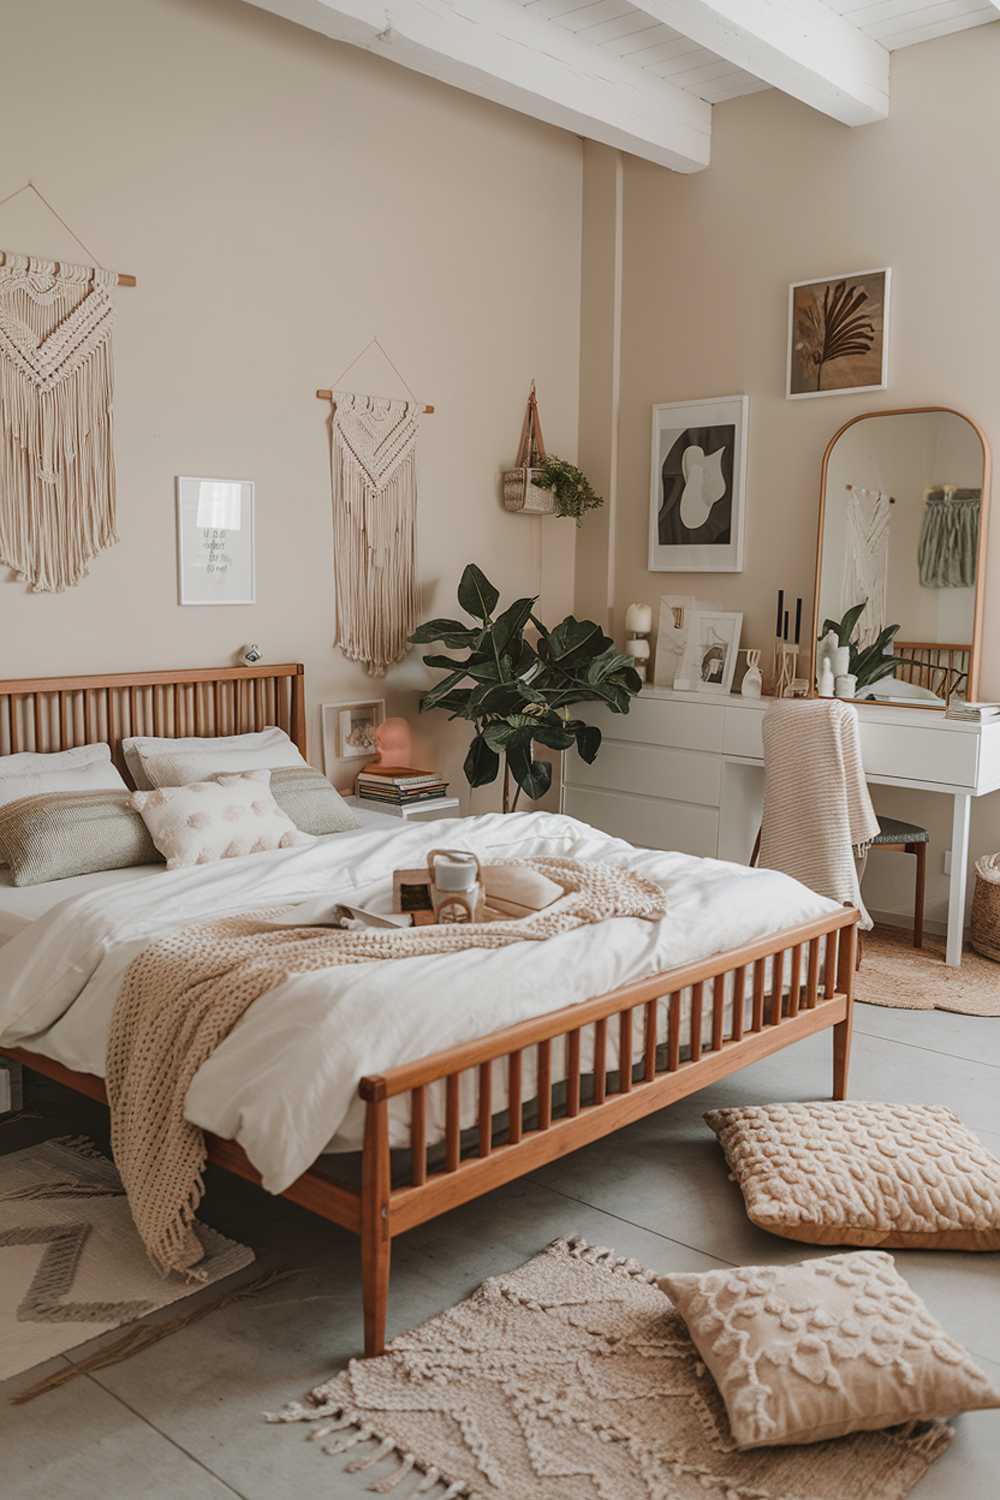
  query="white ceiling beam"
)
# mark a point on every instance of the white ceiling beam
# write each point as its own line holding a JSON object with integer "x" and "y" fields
{"x": 498, "y": 50}
{"x": 800, "y": 46}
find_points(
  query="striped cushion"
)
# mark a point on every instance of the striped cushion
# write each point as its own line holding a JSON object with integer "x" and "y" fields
{"x": 57, "y": 834}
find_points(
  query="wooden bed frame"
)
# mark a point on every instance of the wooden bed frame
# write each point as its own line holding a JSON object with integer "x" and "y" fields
{"x": 58, "y": 712}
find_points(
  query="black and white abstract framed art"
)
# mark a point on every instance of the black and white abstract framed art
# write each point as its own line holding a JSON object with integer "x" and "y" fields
{"x": 698, "y": 481}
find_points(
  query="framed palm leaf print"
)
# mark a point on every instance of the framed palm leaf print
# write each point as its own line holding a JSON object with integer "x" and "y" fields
{"x": 838, "y": 335}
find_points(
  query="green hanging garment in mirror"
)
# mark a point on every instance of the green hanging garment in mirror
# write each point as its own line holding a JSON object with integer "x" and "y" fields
{"x": 949, "y": 538}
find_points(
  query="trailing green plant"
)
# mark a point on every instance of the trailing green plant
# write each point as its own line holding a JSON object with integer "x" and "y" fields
{"x": 572, "y": 490}
{"x": 869, "y": 664}
{"x": 516, "y": 692}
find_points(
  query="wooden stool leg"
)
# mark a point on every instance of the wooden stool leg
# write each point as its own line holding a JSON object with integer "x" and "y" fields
{"x": 920, "y": 851}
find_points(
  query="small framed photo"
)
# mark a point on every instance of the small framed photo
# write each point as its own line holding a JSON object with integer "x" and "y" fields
{"x": 712, "y": 649}
{"x": 838, "y": 335}
{"x": 349, "y": 733}
{"x": 698, "y": 481}
{"x": 215, "y": 541}
{"x": 671, "y": 637}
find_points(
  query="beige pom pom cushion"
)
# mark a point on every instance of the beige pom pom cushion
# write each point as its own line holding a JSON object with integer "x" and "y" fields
{"x": 222, "y": 819}
{"x": 840, "y": 1344}
{"x": 899, "y": 1175}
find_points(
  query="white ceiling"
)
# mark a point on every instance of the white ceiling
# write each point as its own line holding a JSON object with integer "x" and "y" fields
{"x": 643, "y": 75}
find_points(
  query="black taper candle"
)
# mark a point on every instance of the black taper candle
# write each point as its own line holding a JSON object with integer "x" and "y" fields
{"x": 781, "y": 611}
{"x": 798, "y": 621}
{"x": 784, "y": 633}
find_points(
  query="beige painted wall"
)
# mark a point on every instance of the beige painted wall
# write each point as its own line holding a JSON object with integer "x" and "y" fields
{"x": 707, "y": 262}
{"x": 281, "y": 199}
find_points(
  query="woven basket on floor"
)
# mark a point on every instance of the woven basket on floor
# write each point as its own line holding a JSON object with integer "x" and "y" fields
{"x": 985, "y": 933}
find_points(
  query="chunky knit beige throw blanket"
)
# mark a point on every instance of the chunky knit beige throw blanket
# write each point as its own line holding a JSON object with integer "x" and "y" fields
{"x": 818, "y": 815}
{"x": 185, "y": 992}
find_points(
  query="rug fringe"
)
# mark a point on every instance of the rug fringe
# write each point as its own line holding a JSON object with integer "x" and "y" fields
{"x": 143, "y": 1335}
{"x": 600, "y": 1255}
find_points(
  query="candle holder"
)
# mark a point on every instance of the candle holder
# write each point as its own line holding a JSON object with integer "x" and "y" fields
{"x": 638, "y": 625}
{"x": 784, "y": 667}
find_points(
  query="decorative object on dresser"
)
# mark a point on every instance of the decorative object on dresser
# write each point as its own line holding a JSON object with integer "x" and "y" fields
{"x": 349, "y": 735}
{"x": 855, "y": 664}
{"x": 752, "y": 685}
{"x": 249, "y": 655}
{"x": 698, "y": 479}
{"x": 645, "y": 1418}
{"x": 638, "y": 624}
{"x": 672, "y": 635}
{"x": 215, "y": 541}
{"x": 522, "y": 693}
{"x": 373, "y": 465}
{"x": 713, "y": 645}
{"x": 785, "y": 655}
{"x": 910, "y": 641}
{"x": 58, "y": 501}
{"x": 838, "y": 335}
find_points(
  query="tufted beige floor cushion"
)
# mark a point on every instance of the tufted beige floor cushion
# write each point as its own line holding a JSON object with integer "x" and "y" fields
{"x": 835, "y": 1345}
{"x": 900, "y": 1175}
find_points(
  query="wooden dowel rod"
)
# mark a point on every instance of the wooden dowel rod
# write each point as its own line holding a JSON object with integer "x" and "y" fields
{"x": 123, "y": 279}
{"x": 328, "y": 396}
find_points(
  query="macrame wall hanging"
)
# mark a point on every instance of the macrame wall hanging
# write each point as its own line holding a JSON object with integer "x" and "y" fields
{"x": 373, "y": 463}
{"x": 57, "y": 462}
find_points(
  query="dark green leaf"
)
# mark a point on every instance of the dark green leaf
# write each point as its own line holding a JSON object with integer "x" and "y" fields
{"x": 553, "y": 733}
{"x": 447, "y": 663}
{"x": 452, "y": 631}
{"x": 534, "y": 777}
{"x": 481, "y": 763}
{"x": 507, "y": 627}
{"x": 588, "y": 742}
{"x": 476, "y": 594}
{"x": 573, "y": 639}
{"x": 432, "y": 698}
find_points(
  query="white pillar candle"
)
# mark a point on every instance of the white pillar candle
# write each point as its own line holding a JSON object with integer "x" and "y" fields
{"x": 639, "y": 649}
{"x": 639, "y": 618}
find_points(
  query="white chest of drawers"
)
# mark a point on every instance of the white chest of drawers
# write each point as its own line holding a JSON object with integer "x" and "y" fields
{"x": 685, "y": 771}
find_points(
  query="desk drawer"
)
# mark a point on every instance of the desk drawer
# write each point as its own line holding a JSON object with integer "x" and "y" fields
{"x": 664, "y": 721}
{"x": 652, "y": 771}
{"x": 645, "y": 823}
{"x": 742, "y": 733}
{"x": 915, "y": 754}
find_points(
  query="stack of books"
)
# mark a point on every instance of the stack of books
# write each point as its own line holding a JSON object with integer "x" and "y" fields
{"x": 402, "y": 786}
{"x": 972, "y": 713}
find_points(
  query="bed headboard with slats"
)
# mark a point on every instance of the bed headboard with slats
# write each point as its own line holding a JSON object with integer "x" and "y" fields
{"x": 56, "y": 713}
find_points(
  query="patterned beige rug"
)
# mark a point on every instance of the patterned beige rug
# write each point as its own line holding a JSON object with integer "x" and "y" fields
{"x": 895, "y": 974}
{"x": 71, "y": 1263}
{"x": 574, "y": 1379}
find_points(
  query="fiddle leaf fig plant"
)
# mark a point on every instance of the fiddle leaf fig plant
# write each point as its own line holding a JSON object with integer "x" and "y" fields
{"x": 517, "y": 692}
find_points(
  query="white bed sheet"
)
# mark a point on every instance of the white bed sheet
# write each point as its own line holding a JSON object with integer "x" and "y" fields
{"x": 284, "y": 1081}
{"x": 20, "y": 905}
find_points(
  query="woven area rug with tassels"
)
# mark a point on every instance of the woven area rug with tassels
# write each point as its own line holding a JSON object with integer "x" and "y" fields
{"x": 73, "y": 1265}
{"x": 573, "y": 1378}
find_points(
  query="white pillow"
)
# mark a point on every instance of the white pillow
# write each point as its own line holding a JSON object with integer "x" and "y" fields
{"x": 137, "y": 747}
{"x": 87, "y": 768}
{"x": 181, "y": 769}
{"x": 212, "y": 820}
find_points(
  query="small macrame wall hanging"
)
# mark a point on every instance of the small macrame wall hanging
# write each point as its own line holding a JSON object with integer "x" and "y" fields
{"x": 57, "y": 463}
{"x": 373, "y": 462}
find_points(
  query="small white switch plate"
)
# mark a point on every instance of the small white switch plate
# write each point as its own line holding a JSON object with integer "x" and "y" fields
{"x": 947, "y": 861}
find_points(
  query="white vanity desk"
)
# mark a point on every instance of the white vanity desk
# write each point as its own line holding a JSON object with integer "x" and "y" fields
{"x": 685, "y": 771}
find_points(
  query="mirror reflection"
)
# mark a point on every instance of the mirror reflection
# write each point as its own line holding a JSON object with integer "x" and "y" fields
{"x": 899, "y": 544}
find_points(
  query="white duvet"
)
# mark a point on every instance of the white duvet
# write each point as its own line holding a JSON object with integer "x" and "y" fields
{"x": 284, "y": 1082}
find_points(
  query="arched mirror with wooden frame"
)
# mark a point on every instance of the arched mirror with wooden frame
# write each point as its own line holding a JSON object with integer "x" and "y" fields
{"x": 904, "y": 498}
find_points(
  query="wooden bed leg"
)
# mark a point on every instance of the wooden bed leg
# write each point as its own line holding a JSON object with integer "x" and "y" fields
{"x": 843, "y": 1031}
{"x": 375, "y": 1241}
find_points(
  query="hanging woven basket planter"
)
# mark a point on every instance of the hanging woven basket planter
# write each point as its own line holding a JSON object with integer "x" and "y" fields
{"x": 520, "y": 492}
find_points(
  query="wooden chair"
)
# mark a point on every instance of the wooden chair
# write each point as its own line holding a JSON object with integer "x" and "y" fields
{"x": 908, "y": 838}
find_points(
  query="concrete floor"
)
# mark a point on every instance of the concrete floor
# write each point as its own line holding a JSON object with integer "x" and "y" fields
{"x": 182, "y": 1419}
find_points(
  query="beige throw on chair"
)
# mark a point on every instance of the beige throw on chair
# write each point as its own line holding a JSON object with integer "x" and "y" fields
{"x": 183, "y": 995}
{"x": 374, "y": 476}
{"x": 818, "y": 815}
{"x": 57, "y": 466}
